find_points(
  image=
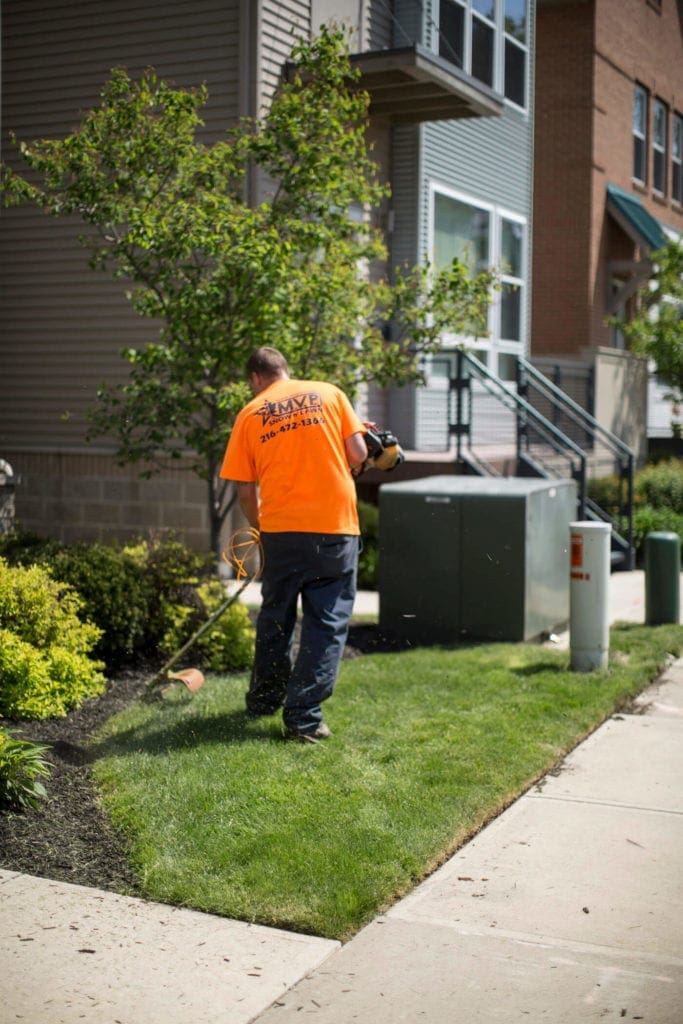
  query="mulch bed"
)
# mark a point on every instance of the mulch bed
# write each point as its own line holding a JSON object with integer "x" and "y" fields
{"x": 69, "y": 838}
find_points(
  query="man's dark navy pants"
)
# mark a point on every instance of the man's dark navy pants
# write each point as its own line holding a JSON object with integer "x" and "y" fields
{"x": 322, "y": 570}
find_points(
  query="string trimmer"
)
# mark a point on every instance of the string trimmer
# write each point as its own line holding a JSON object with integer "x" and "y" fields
{"x": 245, "y": 554}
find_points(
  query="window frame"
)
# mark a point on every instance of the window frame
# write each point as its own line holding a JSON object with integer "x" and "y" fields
{"x": 507, "y": 37}
{"x": 642, "y": 135}
{"x": 501, "y": 40}
{"x": 677, "y": 158}
{"x": 660, "y": 147}
{"x": 493, "y": 344}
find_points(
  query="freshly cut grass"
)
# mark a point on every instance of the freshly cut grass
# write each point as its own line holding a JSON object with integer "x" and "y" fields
{"x": 428, "y": 744}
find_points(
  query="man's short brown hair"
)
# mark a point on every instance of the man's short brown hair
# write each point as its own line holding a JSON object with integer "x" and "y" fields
{"x": 267, "y": 362}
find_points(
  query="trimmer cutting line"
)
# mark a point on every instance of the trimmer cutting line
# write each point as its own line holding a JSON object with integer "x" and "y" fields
{"x": 245, "y": 554}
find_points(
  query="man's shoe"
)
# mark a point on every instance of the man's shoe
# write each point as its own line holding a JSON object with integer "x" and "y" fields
{"x": 320, "y": 733}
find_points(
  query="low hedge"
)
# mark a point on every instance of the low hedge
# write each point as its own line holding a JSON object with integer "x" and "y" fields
{"x": 46, "y": 651}
{"x": 658, "y": 500}
{"x": 146, "y": 599}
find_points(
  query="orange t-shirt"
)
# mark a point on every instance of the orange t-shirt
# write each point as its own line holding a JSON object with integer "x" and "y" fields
{"x": 290, "y": 440}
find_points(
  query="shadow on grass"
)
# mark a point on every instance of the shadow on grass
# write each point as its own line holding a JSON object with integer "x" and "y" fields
{"x": 159, "y": 737}
{"x": 557, "y": 667}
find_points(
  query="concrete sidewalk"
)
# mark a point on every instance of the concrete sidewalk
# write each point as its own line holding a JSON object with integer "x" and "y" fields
{"x": 567, "y": 908}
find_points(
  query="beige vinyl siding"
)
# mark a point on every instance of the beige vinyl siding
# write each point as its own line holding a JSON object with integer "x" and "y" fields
{"x": 282, "y": 25}
{"x": 378, "y": 25}
{"x": 62, "y": 324}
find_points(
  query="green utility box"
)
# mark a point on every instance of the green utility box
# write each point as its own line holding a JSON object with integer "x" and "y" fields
{"x": 474, "y": 557}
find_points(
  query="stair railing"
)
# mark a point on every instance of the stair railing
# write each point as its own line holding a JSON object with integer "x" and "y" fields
{"x": 621, "y": 456}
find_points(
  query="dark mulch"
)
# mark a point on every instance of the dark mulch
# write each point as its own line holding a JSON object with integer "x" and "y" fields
{"x": 69, "y": 838}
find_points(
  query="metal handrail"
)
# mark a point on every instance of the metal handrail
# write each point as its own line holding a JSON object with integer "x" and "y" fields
{"x": 588, "y": 422}
{"x": 527, "y": 416}
{"x": 556, "y": 438}
{"x": 576, "y": 412}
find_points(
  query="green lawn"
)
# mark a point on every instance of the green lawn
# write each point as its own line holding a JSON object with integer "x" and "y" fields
{"x": 428, "y": 744}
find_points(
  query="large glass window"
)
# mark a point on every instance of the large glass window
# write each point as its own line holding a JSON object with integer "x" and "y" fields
{"x": 482, "y": 237}
{"x": 639, "y": 133}
{"x": 475, "y": 34}
{"x": 659, "y": 125}
{"x": 677, "y": 158}
{"x": 461, "y": 231}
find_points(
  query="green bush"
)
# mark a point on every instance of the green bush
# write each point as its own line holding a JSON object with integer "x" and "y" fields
{"x": 173, "y": 572}
{"x": 661, "y": 486}
{"x": 22, "y": 765}
{"x": 22, "y": 547}
{"x": 112, "y": 586}
{"x": 604, "y": 491}
{"x": 228, "y": 646}
{"x": 649, "y": 520}
{"x": 115, "y": 593}
{"x": 46, "y": 667}
{"x": 368, "y": 561}
{"x": 658, "y": 500}
{"x": 145, "y": 599}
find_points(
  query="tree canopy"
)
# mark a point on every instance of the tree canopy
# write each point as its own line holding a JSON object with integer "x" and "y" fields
{"x": 656, "y": 331}
{"x": 219, "y": 275}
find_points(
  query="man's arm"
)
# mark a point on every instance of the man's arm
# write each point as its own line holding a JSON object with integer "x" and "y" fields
{"x": 356, "y": 451}
{"x": 247, "y": 495}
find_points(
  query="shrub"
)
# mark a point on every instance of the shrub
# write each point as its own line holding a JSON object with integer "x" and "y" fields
{"x": 112, "y": 587}
{"x": 45, "y": 663}
{"x": 661, "y": 486}
{"x": 144, "y": 598}
{"x": 22, "y": 547}
{"x": 43, "y": 611}
{"x": 115, "y": 595}
{"x": 648, "y": 520}
{"x": 173, "y": 572}
{"x": 604, "y": 491}
{"x": 368, "y": 561}
{"x": 228, "y": 646}
{"x": 658, "y": 500}
{"x": 22, "y": 765}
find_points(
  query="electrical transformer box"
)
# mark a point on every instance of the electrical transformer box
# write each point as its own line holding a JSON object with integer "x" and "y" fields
{"x": 474, "y": 557}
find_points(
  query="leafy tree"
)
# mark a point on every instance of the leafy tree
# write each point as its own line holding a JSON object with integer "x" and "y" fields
{"x": 656, "y": 330}
{"x": 170, "y": 215}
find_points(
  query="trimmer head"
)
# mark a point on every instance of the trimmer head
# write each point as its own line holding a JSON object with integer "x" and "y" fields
{"x": 192, "y": 678}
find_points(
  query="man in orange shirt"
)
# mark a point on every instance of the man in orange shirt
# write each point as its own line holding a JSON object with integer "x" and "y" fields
{"x": 291, "y": 453}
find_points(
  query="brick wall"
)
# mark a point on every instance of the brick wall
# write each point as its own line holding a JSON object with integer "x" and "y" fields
{"x": 589, "y": 55}
{"x": 83, "y": 497}
{"x": 562, "y": 167}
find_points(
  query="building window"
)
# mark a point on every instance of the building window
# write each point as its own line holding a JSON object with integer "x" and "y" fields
{"x": 515, "y": 51}
{"x": 470, "y": 34}
{"x": 640, "y": 99}
{"x": 461, "y": 231}
{"x": 677, "y": 158}
{"x": 481, "y": 236}
{"x": 659, "y": 124}
{"x": 512, "y": 279}
{"x": 452, "y": 32}
{"x": 483, "y": 40}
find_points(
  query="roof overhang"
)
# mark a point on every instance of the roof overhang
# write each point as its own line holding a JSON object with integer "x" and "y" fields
{"x": 645, "y": 231}
{"x": 632, "y": 217}
{"x": 412, "y": 84}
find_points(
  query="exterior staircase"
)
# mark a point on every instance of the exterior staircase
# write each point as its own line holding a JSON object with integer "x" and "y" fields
{"x": 533, "y": 428}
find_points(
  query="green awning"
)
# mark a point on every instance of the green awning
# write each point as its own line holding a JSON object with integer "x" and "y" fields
{"x": 631, "y": 215}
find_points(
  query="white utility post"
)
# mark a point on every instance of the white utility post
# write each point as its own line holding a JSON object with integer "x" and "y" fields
{"x": 589, "y": 595}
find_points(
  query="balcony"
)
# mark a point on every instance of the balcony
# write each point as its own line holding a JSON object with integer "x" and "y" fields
{"x": 412, "y": 84}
